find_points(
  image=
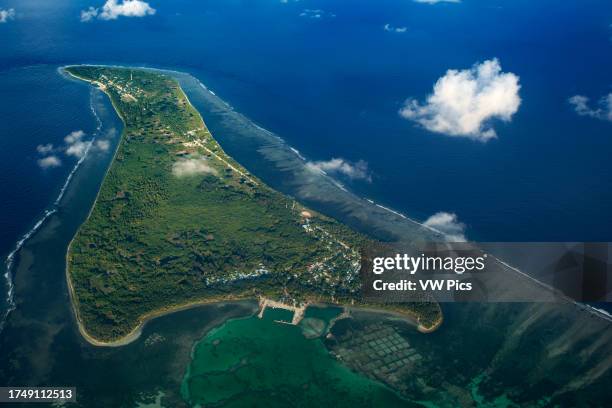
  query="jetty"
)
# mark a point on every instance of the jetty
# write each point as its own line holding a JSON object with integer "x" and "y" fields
{"x": 298, "y": 311}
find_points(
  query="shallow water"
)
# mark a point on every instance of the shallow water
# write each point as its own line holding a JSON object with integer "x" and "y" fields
{"x": 258, "y": 362}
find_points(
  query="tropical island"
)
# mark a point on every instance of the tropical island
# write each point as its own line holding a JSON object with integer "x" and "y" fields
{"x": 177, "y": 222}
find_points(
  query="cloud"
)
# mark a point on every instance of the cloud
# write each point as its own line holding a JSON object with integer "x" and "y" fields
{"x": 77, "y": 149}
{"x": 192, "y": 166}
{"x": 316, "y": 14}
{"x": 436, "y": 1}
{"x": 582, "y": 108}
{"x": 75, "y": 146}
{"x": 392, "y": 29}
{"x": 128, "y": 8}
{"x": 49, "y": 161}
{"x": 6, "y": 15}
{"x": 464, "y": 102}
{"x": 45, "y": 149}
{"x": 89, "y": 14}
{"x": 355, "y": 171}
{"x": 102, "y": 145}
{"x": 74, "y": 136}
{"x": 448, "y": 224}
{"x": 113, "y": 9}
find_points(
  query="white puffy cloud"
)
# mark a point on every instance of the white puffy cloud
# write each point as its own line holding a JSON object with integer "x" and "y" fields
{"x": 192, "y": 166}
{"x": 448, "y": 224}
{"x": 49, "y": 161}
{"x": 113, "y": 9}
{"x": 355, "y": 171}
{"x": 6, "y": 15}
{"x": 603, "y": 111}
{"x": 128, "y": 8}
{"x": 392, "y": 29}
{"x": 464, "y": 102}
{"x": 45, "y": 149}
{"x": 75, "y": 145}
{"x": 436, "y": 1}
{"x": 103, "y": 145}
{"x": 89, "y": 14}
{"x": 74, "y": 136}
{"x": 77, "y": 149}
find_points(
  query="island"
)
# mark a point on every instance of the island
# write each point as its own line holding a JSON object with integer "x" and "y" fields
{"x": 177, "y": 222}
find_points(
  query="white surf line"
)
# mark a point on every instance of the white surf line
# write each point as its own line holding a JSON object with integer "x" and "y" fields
{"x": 71, "y": 174}
{"x": 339, "y": 185}
{"x": 210, "y": 91}
{"x": 601, "y": 313}
{"x": 298, "y": 154}
{"x": 399, "y": 214}
{"x": 82, "y": 158}
{"x": 10, "y": 301}
{"x": 10, "y": 259}
{"x": 248, "y": 121}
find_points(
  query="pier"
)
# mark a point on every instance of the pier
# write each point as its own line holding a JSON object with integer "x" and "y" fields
{"x": 298, "y": 311}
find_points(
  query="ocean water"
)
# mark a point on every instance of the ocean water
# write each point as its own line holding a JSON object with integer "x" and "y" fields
{"x": 329, "y": 87}
{"x": 332, "y": 87}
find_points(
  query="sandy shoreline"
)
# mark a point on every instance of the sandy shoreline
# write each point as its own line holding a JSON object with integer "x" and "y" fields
{"x": 406, "y": 316}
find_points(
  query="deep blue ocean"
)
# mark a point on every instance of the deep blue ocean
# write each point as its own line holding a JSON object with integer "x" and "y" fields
{"x": 332, "y": 87}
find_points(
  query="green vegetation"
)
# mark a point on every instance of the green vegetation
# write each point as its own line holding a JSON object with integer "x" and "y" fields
{"x": 179, "y": 221}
